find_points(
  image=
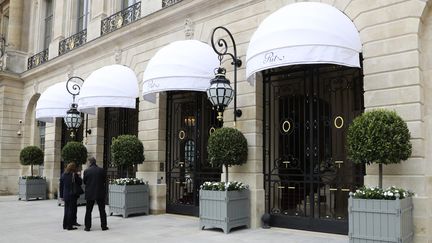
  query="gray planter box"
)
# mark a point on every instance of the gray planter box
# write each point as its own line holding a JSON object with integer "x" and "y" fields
{"x": 128, "y": 199}
{"x": 224, "y": 209}
{"x": 81, "y": 200}
{"x": 32, "y": 189}
{"x": 380, "y": 220}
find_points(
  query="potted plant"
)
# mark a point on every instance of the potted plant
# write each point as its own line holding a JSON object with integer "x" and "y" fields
{"x": 127, "y": 195}
{"x": 382, "y": 137}
{"x": 75, "y": 152}
{"x": 226, "y": 204}
{"x": 31, "y": 186}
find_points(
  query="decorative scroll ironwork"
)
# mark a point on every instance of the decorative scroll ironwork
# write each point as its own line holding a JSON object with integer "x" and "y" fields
{"x": 121, "y": 18}
{"x": 187, "y": 164}
{"x": 307, "y": 173}
{"x": 72, "y": 42}
{"x": 37, "y": 59}
{"x": 167, "y": 3}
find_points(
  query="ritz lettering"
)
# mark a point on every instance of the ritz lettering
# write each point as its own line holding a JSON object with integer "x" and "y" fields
{"x": 271, "y": 57}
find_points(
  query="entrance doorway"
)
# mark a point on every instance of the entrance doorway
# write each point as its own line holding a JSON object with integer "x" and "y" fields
{"x": 308, "y": 176}
{"x": 190, "y": 121}
{"x": 118, "y": 121}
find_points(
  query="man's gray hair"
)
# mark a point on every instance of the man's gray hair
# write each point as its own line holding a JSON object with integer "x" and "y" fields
{"x": 92, "y": 160}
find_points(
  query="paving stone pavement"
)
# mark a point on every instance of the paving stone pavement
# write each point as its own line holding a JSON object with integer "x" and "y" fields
{"x": 41, "y": 221}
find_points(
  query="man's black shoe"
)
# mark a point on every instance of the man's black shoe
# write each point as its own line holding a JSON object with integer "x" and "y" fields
{"x": 76, "y": 224}
{"x": 105, "y": 228}
{"x": 86, "y": 229}
{"x": 72, "y": 228}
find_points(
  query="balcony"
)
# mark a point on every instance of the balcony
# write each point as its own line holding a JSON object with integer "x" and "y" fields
{"x": 167, "y": 3}
{"x": 121, "y": 18}
{"x": 72, "y": 42}
{"x": 37, "y": 59}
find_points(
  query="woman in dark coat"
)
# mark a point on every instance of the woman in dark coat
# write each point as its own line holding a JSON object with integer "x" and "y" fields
{"x": 70, "y": 200}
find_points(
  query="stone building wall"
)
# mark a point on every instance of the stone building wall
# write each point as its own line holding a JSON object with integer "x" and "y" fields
{"x": 395, "y": 35}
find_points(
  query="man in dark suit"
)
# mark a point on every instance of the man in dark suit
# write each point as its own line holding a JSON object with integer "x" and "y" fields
{"x": 94, "y": 181}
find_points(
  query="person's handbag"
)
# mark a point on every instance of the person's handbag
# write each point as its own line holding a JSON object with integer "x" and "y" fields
{"x": 76, "y": 189}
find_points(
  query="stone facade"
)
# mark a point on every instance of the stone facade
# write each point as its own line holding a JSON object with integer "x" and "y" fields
{"x": 397, "y": 65}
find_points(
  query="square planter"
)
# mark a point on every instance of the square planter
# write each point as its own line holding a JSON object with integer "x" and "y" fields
{"x": 224, "y": 209}
{"x": 81, "y": 200}
{"x": 128, "y": 199}
{"x": 32, "y": 189}
{"x": 372, "y": 220}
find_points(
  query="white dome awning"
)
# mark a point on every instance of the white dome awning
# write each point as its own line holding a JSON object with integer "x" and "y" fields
{"x": 109, "y": 86}
{"x": 181, "y": 65}
{"x": 303, "y": 33}
{"x": 54, "y": 102}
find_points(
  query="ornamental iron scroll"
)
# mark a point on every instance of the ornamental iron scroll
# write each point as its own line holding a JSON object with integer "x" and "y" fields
{"x": 167, "y": 3}
{"x": 73, "y": 42}
{"x": 121, "y": 18}
{"x": 37, "y": 59}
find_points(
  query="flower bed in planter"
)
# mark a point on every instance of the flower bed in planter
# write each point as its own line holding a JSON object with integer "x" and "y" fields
{"x": 222, "y": 208}
{"x": 128, "y": 196}
{"x": 386, "y": 219}
{"x": 32, "y": 188}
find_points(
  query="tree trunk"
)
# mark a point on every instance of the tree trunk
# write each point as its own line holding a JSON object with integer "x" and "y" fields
{"x": 31, "y": 168}
{"x": 380, "y": 176}
{"x": 226, "y": 173}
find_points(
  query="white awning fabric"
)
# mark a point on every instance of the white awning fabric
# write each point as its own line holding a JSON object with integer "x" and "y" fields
{"x": 109, "y": 86}
{"x": 54, "y": 102}
{"x": 181, "y": 65}
{"x": 303, "y": 33}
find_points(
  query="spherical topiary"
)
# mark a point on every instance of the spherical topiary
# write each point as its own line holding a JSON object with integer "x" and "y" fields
{"x": 378, "y": 136}
{"x": 74, "y": 152}
{"x": 227, "y": 146}
{"x": 127, "y": 150}
{"x": 31, "y": 155}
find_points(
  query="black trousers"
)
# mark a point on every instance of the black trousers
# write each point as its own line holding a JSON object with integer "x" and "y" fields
{"x": 70, "y": 213}
{"x": 102, "y": 213}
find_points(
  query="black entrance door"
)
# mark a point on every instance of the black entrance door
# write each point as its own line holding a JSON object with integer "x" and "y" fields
{"x": 118, "y": 121}
{"x": 307, "y": 174}
{"x": 190, "y": 120}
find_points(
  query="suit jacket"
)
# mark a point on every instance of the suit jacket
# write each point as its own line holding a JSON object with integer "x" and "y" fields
{"x": 95, "y": 183}
{"x": 66, "y": 185}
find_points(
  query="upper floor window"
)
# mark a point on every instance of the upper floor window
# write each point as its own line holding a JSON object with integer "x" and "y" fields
{"x": 128, "y": 3}
{"x": 48, "y": 22}
{"x": 83, "y": 14}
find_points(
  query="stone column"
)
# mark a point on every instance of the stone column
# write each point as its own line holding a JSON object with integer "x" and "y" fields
{"x": 52, "y": 155}
{"x": 15, "y": 61}
{"x": 15, "y": 22}
{"x": 98, "y": 13}
{"x": 152, "y": 130}
{"x": 150, "y": 6}
{"x": 11, "y": 98}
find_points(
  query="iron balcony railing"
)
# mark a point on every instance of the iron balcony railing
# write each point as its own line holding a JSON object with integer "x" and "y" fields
{"x": 37, "y": 59}
{"x": 72, "y": 42}
{"x": 167, "y": 3}
{"x": 121, "y": 18}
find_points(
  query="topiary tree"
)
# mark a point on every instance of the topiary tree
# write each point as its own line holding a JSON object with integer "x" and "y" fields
{"x": 127, "y": 150}
{"x": 74, "y": 152}
{"x": 378, "y": 136}
{"x": 227, "y": 147}
{"x": 31, "y": 155}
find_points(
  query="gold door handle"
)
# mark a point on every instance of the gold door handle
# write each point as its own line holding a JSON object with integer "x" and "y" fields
{"x": 345, "y": 189}
{"x": 291, "y": 187}
{"x": 281, "y": 187}
{"x": 333, "y": 189}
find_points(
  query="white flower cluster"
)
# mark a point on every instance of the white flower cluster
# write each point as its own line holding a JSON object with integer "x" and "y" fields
{"x": 391, "y": 193}
{"x": 222, "y": 186}
{"x": 127, "y": 181}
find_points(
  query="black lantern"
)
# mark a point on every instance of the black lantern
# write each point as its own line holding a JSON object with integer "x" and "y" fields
{"x": 220, "y": 93}
{"x": 73, "y": 118}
